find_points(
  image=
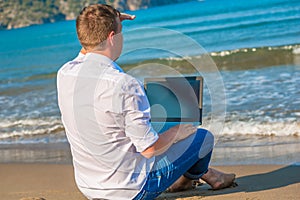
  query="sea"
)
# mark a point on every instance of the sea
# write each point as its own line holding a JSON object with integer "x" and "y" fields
{"x": 253, "y": 47}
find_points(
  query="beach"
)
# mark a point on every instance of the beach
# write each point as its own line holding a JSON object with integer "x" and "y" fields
{"x": 56, "y": 182}
{"x": 252, "y": 50}
{"x": 45, "y": 171}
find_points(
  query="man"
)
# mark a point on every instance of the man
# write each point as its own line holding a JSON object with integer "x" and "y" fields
{"x": 106, "y": 115}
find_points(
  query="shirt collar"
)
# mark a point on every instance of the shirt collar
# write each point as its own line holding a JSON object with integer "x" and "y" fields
{"x": 103, "y": 59}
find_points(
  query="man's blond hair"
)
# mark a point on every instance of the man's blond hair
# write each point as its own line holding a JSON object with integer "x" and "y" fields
{"x": 95, "y": 23}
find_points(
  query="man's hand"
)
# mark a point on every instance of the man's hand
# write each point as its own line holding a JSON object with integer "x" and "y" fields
{"x": 182, "y": 131}
{"x": 125, "y": 16}
{"x": 169, "y": 137}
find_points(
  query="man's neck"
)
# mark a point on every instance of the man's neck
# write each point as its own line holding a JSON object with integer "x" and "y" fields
{"x": 106, "y": 53}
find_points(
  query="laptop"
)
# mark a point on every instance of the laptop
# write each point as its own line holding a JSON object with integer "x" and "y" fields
{"x": 174, "y": 100}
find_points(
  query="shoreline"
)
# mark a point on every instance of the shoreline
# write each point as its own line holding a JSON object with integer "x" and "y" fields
{"x": 56, "y": 181}
{"x": 228, "y": 150}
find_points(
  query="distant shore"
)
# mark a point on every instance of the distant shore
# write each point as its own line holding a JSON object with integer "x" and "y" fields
{"x": 41, "y": 12}
{"x": 52, "y": 181}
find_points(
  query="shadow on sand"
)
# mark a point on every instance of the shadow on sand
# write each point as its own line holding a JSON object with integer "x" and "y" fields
{"x": 251, "y": 183}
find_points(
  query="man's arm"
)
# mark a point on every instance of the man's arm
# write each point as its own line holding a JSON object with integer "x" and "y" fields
{"x": 167, "y": 138}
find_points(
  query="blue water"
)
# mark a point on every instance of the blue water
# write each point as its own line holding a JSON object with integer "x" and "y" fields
{"x": 267, "y": 98}
{"x": 223, "y": 25}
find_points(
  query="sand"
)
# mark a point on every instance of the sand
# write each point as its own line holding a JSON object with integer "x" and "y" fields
{"x": 56, "y": 181}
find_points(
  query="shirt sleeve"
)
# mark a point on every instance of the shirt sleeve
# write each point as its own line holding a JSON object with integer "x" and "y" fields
{"x": 136, "y": 110}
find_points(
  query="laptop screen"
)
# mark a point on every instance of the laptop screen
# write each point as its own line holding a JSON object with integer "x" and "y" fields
{"x": 175, "y": 99}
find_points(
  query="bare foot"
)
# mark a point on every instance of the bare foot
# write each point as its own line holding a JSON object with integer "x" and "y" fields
{"x": 181, "y": 184}
{"x": 218, "y": 180}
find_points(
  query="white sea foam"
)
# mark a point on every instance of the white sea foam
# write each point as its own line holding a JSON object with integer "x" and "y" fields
{"x": 28, "y": 122}
{"x": 260, "y": 128}
{"x": 29, "y": 127}
{"x": 296, "y": 51}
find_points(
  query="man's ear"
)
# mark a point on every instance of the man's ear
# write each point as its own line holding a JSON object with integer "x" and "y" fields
{"x": 110, "y": 38}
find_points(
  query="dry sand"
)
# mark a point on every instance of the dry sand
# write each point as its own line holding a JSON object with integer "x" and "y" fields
{"x": 56, "y": 182}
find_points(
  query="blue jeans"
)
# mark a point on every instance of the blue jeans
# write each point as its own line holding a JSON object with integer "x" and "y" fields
{"x": 189, "y": 157}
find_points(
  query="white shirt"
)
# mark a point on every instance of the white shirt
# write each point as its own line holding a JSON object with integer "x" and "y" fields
{"x": 106, "y": 116}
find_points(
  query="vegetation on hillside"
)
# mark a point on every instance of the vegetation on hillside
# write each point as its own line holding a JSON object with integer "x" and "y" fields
{"x": 20, "y": 13}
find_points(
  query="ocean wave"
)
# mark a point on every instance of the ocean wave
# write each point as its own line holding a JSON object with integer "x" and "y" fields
{"x": 262, "y": 128}
{"x": 296, "y": 50}
{"x": 236, "y": 59}
{"x": 286, "y": 48}
{"x": 50, "y": 130}
{"x": 18, "y": 130}
{"x": 238, "y": 25}
{"x": 223, "y": 17}
{"x": 255, "y": 58}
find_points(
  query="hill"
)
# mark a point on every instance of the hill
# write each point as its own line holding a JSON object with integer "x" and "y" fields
{"x": 21, "y": 13}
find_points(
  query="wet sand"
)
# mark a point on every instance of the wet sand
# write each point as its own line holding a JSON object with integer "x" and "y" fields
{"x": 56, "y": 181}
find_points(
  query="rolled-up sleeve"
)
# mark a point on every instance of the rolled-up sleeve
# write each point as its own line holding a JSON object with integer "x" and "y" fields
{"x": 136, "y": 111}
